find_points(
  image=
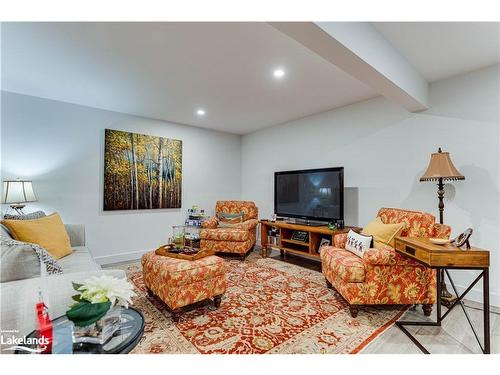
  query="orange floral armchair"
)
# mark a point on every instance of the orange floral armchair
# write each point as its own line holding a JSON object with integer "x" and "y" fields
{"x": 238, "y": 239}
{"x": 383, "y": 276}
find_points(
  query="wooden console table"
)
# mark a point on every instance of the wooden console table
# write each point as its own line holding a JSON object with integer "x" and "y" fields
{"x": 447, "y": 257}
{"x": 286, "y": 244}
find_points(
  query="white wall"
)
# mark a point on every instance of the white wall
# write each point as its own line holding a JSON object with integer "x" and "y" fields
{"x": 60, "y": 147}
{"x": 385, "y": 150}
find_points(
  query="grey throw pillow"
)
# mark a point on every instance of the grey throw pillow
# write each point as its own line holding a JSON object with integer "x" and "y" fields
{"x": 5, "y": 232}
{"x": 30, "y": 216}
{"x": 21, "y": 260}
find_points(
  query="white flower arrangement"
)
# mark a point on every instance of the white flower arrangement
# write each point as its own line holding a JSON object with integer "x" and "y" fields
{"x": 96, "y": 297}
{"x": 107, "y": 288}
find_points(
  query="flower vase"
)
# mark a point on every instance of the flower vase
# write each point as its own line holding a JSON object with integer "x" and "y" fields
{"x": 102, "y": 330}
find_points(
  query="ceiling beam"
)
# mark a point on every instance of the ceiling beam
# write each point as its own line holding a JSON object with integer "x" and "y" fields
{"x": 361, "y": 51}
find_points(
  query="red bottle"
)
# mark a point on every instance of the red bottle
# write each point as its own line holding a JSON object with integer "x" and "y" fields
{"x": 44, "y": 327}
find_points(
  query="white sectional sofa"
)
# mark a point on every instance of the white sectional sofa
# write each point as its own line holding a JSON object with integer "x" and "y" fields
{"x": 18, "y": 298}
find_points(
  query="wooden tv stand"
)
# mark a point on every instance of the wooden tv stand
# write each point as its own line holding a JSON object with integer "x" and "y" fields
{"x": 286, "y": 244}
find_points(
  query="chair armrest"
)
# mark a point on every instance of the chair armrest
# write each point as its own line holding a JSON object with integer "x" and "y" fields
{"x": 76, "y": 233}
{"x": 387, "y": 256}
{"x": 249, "y": 224}
{"x": 339, "y": 240}
{"x": 441, "y": 231}
{"x": 210, "y": 223}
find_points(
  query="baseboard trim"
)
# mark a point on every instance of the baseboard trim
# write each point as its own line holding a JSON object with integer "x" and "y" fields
{"x": 122, "y": 257}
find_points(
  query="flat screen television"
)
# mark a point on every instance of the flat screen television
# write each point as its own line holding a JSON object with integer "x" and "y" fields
{"x": 313, "y": 194}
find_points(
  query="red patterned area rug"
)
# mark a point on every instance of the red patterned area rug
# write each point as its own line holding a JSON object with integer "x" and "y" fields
{"x": 269, "y": 307}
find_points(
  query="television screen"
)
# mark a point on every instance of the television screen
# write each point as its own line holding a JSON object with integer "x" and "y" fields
{"x": 316, "y": 194}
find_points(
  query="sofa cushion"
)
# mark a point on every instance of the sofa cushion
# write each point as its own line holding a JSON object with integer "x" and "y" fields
{"x": 417, "y": 224}
{"x": 80, "y": 260}
{"x": 231, "y": 247}
{"x": 18, "y": 261}
{"x": 21, "y": 260}
{"x": 29, "y": 216}
{"x": 76, "y": 233}
{"x": 342, "y": 264}
{"x": 4, "y": 232}
{"x": 248, "y": 208}
{"x": 225, "y": 234}
{"x": 48, "y": 232}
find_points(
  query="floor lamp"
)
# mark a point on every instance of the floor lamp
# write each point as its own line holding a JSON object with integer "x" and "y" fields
{"x": 441, "y": 169}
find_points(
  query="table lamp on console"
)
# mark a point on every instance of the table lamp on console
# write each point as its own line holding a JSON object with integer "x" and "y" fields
{"x": 441, "y": 169}
{"x": 17, "y": 193}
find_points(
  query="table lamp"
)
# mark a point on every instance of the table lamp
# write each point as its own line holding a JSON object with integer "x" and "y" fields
{"x": 441, "y": 169}
{"x": 17, "y": 193}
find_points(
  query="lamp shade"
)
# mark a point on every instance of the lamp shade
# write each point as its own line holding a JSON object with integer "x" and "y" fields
{"x": 441, "y": 166}
{"x": 18, "y": 191}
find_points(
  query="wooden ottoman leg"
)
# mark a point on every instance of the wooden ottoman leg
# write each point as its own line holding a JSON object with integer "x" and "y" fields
{"x": 427, "y": 309}
{"x": 354, "y": 309}
{"x": 217, "y": 301}
{"x": 176, "y": 314}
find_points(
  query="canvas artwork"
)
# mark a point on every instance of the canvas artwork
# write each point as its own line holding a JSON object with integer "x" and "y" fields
{"x": 141, "y": 171}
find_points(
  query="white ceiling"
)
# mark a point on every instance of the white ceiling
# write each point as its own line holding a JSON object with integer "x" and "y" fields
{"x": 169, "y": 70}
{"x": 440, "y": 50}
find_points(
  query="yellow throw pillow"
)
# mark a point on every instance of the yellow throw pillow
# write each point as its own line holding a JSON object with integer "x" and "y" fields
{"x": 48, "y": 232}
{"x": 382, "y": 233}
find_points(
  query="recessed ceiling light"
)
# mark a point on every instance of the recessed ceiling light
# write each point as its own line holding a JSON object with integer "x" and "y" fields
{"x": 278, "y": 73}
{"x": 200, "y": 112}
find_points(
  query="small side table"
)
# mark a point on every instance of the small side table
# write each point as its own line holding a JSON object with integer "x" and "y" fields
{"x": 445, "y": 257}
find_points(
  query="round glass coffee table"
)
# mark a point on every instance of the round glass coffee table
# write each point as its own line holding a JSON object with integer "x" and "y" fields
{"x": 122, "y": 341}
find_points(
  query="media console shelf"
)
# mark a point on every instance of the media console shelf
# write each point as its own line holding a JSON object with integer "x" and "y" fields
{"x": 287, "y": 244}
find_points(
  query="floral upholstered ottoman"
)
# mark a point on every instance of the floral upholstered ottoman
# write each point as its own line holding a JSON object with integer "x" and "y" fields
{"x": 179, "y": 283}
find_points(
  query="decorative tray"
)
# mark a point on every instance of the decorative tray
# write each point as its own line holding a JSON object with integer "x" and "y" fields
{"x": 186, "y": 253}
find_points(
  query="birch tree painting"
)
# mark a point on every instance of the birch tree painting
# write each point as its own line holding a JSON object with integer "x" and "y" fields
{"x": 141, "y": 171}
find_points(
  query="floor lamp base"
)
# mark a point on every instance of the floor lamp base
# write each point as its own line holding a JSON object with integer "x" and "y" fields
{"x": 447, "y": 299}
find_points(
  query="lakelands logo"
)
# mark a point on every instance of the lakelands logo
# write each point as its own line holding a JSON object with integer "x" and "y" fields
{"x": 27, "y": 344}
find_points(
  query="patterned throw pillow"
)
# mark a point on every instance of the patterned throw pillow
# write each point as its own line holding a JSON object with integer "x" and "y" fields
{"x": 30, "y": 216}
{"x": 21, "y": 260}
{"x": 227, "y": 220}
{"x": 357, "y": 243}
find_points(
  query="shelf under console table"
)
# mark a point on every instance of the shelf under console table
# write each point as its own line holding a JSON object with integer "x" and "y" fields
{"x": 287, "y": 244}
